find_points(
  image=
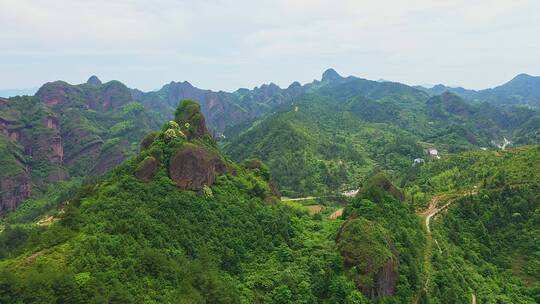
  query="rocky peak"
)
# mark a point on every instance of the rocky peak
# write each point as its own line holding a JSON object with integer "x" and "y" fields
{"x": 330, "y": 75}
{"x": 188, "y": 115}
{"x": 270, "y": 89}
{"x": 193, "y": 164}
{"x": 192, "y": 167}
{"x": 94, "y": 81}
{"x": 295, "y": 85}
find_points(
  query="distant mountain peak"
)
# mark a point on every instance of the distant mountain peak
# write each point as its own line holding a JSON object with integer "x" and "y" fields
{"x": 94, "y": 81}
{"x": 330, "y": 74}
{"x": 523, "y": 76}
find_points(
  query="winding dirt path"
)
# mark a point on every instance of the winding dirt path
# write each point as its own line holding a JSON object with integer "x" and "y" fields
{"x": 432, "y": 210}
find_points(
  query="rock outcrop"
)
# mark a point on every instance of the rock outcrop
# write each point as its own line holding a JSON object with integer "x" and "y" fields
{"x": 330, "y": 75}
{"x": 15, "y": 181}
{"x": 147, "y": 168}
{"x": 189, "y": 116}
{"x": 64, "y": 130}
{"x": 370, "y": 257}
{"x": 194, "y": 166}
{"x": 94, "y": 81}
{"x": 13, "y": 190}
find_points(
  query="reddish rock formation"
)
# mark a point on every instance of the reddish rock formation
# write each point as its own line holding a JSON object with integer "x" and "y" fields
{"x": 14, "y": 134}
{"x": 148, "y": 140}
{"x": 387, "y": 277}
{"x": 147, "y": 169}
{"x": 114, "y": 94}
{"x": 54, "y": 93}
{"x": 52, "y": 123}
{"x": 13, "y": 190}
{"x": 193, "y": 166}
{"x": 374, "y": 266}
{"x": 99, "y": 97}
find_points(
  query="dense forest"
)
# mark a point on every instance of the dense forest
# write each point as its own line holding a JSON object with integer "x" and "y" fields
{"x": 487, "y": 241}
{"x": 379, "y": 217}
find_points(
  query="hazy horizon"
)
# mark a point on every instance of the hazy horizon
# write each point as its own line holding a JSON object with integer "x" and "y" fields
{"x": 226, "y": 45}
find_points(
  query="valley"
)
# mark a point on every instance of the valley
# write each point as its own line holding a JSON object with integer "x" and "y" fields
{"x": 319, "y": 193}
{"x": 269, "y": 152}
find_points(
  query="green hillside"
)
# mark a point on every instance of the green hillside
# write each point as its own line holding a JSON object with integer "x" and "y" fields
{"x": 180, "y": 223}
{"x": 328, "y": 140}
{"x": 487, "y": 242}
{"x": 66, "y": 131}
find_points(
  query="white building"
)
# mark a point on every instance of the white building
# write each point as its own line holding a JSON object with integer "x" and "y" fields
{"x": 434, "y": 154}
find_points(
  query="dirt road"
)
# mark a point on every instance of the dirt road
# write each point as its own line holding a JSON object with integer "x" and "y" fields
{"x": 432, "y": 210}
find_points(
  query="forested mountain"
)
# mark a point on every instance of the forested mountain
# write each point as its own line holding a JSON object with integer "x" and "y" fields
{"x": 487, "y": 243}
{"x": 66, "y": 131}
{"x": 92, "y": 127}
{"x": 522, "y": 90}
{"x": 445, "y": 207}
{"x": 180, "y": 223}
{"x": 328, "y": 139}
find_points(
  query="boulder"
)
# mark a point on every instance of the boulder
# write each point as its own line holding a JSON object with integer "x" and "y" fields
{"x": 190, "y": 118}
{"x": 192, "y": 167}
{"x": 147, "y": 168}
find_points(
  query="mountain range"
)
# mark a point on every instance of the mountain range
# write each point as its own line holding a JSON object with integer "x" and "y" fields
{"x": 522, "y": 90}
{"x": 83, "y": 130}
{"x": 342, "y": 190}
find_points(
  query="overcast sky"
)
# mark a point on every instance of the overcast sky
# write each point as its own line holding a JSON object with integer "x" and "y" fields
{"x": 230, "y": 44}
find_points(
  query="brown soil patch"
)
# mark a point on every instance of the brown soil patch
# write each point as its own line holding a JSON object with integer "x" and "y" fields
{"x": 336, "y": 214}
{"x": 314, "y": 209}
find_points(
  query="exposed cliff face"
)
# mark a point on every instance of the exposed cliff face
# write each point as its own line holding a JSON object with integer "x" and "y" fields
{"x": 221, "y": 109}
{"x": 68, "y": 130}
{"x": 57, "y": 93}
{"x": 370, "y": 257}
{"x": 93, "y": 95}
{"x": 13, "y": 190}
{"x": 147, "y": 168}
{"x": 15, "y": 183}
{"x": 185, "y": 149}
{"x": 193, "y": 166}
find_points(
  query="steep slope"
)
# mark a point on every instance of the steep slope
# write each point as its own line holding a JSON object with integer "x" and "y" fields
{"x": 327, "y": 140}
{"x": 487, "y": 241}
{"x": 222, "y": 109}
{"x": 140, "y": 235}
{"x": 381, "y": 241}
{"x": 521, "y": 90}
{"x": 67, "y": 131}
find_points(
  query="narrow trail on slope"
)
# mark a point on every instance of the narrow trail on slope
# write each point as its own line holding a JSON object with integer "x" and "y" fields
{"x": 432, "y": 210}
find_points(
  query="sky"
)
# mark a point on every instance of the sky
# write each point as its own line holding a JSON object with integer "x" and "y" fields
{"x": 225, "y": 45}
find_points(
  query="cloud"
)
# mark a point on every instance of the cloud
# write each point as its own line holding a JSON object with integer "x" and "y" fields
{"x": 227, "y": 44}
